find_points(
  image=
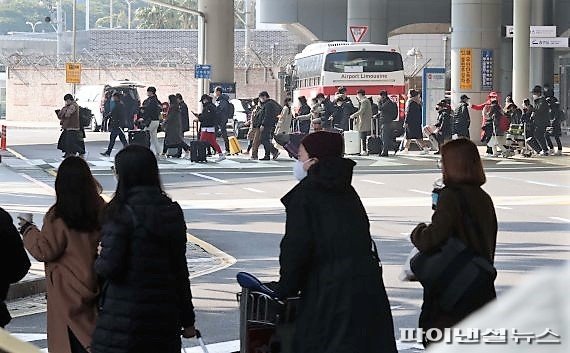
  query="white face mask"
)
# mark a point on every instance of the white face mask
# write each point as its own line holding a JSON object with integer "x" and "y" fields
{"x": 298, "y": 171}
{"x": 534, "y": 97}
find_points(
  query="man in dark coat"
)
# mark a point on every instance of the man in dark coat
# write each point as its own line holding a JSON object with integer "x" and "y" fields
{"x": 327, "y": 257}
{"x": 387, "y": 113}
{"x": 13, "y": 261}
{"x": 116, "y": 125}
{"x": 461, "y": 119}
{"x": 443, "y": 124}
{"x": 268, "y": 115}
{"x": 541, "y": 119}
{"x": 223, "y": 111}
{"x": 184, "y": 115}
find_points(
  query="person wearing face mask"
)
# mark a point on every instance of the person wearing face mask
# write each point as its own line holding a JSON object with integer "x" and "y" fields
{"x": 328, "y": 257}
{"x": 363, "y": 118}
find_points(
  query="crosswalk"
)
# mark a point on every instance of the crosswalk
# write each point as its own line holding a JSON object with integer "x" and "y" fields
{"x": 40, "y": 340}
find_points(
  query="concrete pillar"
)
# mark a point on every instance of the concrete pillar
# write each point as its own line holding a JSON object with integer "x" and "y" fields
{"x": 219, "y": 38}
{"x": 371, "y": 13}
{"x": 475, "y": 25}
{"x": 521, "y": 50}
{"x": 537, "y": 54}
{"x": 548, "y": 53}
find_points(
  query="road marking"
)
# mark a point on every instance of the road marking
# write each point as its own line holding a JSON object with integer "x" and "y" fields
{"x": 226, "y": 260}
{"x": 530, "y": 181}
{"x": 420, "y": 192}
{"x": 209, "y": 178}
{"x": 545, "y": 184}
{"x": 257, "y": 191}
{"x": 374, "y": 182}
{"x": 503, "y": 208}
{"x": 222, "y": 347}
{"x": 566, "y": 220}
{"x": 16, "y": 154}
{"x": 38, "y": 183}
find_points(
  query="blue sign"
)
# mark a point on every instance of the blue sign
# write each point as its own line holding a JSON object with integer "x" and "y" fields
{"x": 487, "y": 69}
{"x": 202, "y": 71}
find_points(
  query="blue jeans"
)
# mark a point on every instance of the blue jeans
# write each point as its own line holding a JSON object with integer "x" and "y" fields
{"x": 116, "y": 132}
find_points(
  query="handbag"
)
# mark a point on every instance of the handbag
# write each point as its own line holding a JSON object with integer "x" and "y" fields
{"x": 454, "y": 272}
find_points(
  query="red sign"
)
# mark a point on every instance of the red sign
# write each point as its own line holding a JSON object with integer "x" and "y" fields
{"x": 358, "y": 32}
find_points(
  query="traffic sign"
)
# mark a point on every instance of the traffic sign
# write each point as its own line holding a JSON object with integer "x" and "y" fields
{"x": 358, "y": 32}
{"x": 72, "y": 73}
{"x": 559, "y": 42}
{"x": 535, "y": 31}
{"x": 202, "y": 71}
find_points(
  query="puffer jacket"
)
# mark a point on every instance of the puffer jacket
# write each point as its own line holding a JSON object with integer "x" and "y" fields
{"x": 146, "y": 297}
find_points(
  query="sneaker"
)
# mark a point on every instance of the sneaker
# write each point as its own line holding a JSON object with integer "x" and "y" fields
{"x": 552, "y": 152}
{"x": 105, "y": 154}
{"x": 276, "y": 155}
{"x": 543, "y": 154}
{"x": 364, "y": 153}
{"x": 221, "y": 157}
{"x": 265, "y": 158}
{"x": 558, "y": 153}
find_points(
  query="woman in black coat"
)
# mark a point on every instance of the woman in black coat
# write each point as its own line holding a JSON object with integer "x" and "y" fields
{"x": 146, "y": 300}
{"x": 463, "y": 177}
{"x": 327, "y": 257}
{"x": 173, "y": 137}
{"x": 413, "y": 122}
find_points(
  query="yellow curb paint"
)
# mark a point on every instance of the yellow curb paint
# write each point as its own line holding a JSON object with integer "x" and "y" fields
{"x": 225, "y": 259}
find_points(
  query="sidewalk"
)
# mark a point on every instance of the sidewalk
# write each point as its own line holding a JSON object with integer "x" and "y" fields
{"x": 24, "y": 124}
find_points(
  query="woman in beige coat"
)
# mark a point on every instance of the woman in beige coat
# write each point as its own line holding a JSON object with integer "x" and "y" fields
{"x": 67, "y": 243}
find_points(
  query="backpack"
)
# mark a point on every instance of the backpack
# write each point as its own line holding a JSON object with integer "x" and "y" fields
{"x": 85, "y": 116}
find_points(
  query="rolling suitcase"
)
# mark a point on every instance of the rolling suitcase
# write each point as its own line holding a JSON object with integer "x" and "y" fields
{"x": 139, "y": 137}
{"x": 199, "y": 151}
{"x": 374, "y": 141}
{"x": 351, "y": 140}
{"x": 235, "y": 147}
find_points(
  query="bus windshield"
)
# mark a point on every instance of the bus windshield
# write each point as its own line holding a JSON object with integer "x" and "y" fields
{"x": 363, "y": 61}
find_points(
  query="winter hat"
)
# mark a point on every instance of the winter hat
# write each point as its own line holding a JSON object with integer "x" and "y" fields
{"x": 205, "y": 96}
{"x": 323, "y": 144}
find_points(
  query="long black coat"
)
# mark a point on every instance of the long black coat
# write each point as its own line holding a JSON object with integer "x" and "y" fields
{"x": 461, "y": 120}
{"x": 14, "y": 261}
{"x": 146, "y": 297}
{"x": 173, "y": 128}
{"x": 184, "y": 117}
{"x": 326, "y": 256}
{"x": 414, "y": 121}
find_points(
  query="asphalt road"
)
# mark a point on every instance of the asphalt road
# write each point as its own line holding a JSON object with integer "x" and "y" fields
{"x": 238, "y": 211}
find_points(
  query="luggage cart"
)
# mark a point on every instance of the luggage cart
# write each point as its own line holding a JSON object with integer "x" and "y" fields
{"x": 266, "y": 324}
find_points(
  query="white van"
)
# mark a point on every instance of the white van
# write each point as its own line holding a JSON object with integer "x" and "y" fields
{"x": 92, "y": 97}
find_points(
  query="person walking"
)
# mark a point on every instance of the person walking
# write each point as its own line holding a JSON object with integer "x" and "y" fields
{"x": 443, "y": 124}
{"x": 67, "y": 244}
{"x": 461, "y": 119}
{"x": 387, "y": 113}
{"x": 116, "y": 125}
{"x": 254, "y": 134}
{"x": 283, "y": 128}
{"x": 413, "y": 122}
{"x": 304, "y": 109}
{"x": 146, "y": 300}
{"x": 463, "y": 177}
{"x": 268, "y": 115}
{"x": 70, "y": 139}
{"x": 208, "y": 120}
{"x": 512, "y": 111}
{"x": 327, "y": 257}
{"x": 541, "y": 119}
{"x": 184, "y": 115}
{"x": 555, "y": 130}
{"x": 105, "y": 110}
{"x": 173, "y": 137}
{"x": 13, "y": 261}
{"x": 151, "y": 109}
{"x": 363, "y": 120}
{"x": 224, "y": 112}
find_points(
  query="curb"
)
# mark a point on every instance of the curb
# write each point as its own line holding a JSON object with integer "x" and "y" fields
{"x": 26, "y": 289}
{"x": 38, "y": 286}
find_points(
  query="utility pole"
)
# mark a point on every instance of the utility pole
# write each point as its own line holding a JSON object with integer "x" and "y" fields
{"x": 111, "y": 14}
{"x": 87, "y": 15}
{"x": 74, "y": 39}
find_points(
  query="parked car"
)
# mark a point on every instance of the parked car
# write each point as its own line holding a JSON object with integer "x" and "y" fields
{"x": 92, "y": 97}
{"x": 242, "y": 114}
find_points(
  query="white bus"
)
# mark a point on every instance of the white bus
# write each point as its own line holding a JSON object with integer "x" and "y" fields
{"x": 323, "y": 67}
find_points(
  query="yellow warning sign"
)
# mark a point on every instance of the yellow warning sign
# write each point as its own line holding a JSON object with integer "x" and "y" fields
{"x": 466, "y": 68}
{"x": 72, "y": 73}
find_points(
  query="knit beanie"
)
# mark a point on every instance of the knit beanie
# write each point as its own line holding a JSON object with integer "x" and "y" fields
{"x": 323, "y": 144}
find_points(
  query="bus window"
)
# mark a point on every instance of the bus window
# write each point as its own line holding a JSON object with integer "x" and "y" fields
{"x": 369, "y": 61}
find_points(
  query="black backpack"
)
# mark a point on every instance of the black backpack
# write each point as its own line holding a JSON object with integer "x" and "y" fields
{"x": 85, "y": 116}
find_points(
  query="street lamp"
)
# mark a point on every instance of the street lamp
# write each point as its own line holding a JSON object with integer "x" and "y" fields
{"x": 129, "y": 2}
{"x": 416, "y": 53}
{"x": 34, "y": 25}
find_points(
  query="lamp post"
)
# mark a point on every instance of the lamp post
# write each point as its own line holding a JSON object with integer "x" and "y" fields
{"x": 34, "y": 25}
{"x": 129, "y": 3}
